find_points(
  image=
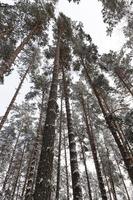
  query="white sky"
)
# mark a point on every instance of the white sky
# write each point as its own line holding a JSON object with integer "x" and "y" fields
{"x": 88, "y": 12}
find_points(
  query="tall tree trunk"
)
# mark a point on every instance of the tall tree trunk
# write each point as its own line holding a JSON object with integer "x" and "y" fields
{"x": 27, "y": 173}
{"x": 35, "y": 156}
{"x": 94, "y": 151}
{"x": 6, "y": 66}
{"x": 127, "y": 157}
{"x": 43, "y": 186}
{"x": 105, "y": 174}
{"x": 59, "y": 155}
{"x": 126, "y": 190}
{"x": 4, "y": 118}
{"x": 123, "y": 81}
{"x": 18, "y": 173}
{"x": 66, "y": 169}
{"x": 10, "y": 164}
{"x": 111, "y": 176}
{"x": 76, "y": 186}
{"x": 86, "y": 170}
{"x": 116, "y": 124}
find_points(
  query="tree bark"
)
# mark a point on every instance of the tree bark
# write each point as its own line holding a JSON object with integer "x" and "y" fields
{"x": 94, "y": 151}
{"x": 59, "y": 155}
{"x": 111, "y": 177}
{"x": 27, "y": 173}
{"x": 66, "y": 169}
{"x": 104, "y": 172}
{"x": 4, "y": 118}
{"x": 43, "y": 186}
{"x": 76, "y": 185}
{"x": 86, "y": 170}
{"x": 35, "y": 156}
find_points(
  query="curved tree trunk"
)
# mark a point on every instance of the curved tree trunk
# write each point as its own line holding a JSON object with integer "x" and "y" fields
{"x": 35, "y": 156}
{"x": 59, "y": 155}
{"x": 43, "y": 186}
{"x": 76, "y": 186}
{"x": 94, "y": 152}
{"x": 4, "y": 118}
{"x": 6, "y": 66}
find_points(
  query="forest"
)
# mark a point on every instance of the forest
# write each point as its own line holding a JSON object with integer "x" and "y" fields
{"x": 71, "y": 137}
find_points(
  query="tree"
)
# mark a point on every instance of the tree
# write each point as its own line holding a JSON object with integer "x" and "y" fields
{"x": 43, "y": 183}
{"x": 77, "y": 191}
{"x": 35, "y": 23}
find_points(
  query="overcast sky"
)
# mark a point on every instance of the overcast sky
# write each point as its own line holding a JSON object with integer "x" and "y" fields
{"x": 88, "y": 12}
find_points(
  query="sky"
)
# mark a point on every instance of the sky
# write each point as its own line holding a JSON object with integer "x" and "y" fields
{"x": 89, "y": 13}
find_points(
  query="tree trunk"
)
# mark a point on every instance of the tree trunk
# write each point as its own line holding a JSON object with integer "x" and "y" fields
{"x": 104, "y": 172}
{"x": 18, "y": 173}
{"x": 111, "y": 177}
{"x": 27, "y": 173}
{"x": 123, "y": 81}
{"x": 59, "y": 155}
{"x": 10, "y": 164}
{"x": 76, "y": 186}
{"x": 43, "y": 186}
{"x": 6, "y": 66}
{"x": 126, "y": 190}
{"x": 35, "y": 156}
{"x": 127, "y": 157}
{"x": 4, "y": 118}
{"x": 66, "y": 169}
{"x": 94, "y": 152}
{"x": 86, "y": 170}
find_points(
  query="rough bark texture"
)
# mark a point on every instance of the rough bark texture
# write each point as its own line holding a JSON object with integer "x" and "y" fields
{"x": 94, "y": 153}
{"x": 4, "y": 118}
{"x": 35, "y": 156}
{"x": 43, "y": 186}
{"x": 76, "y": 185}
{"x": 66, "y": 169}
{"x": 59, "y": 155}
{"x": 27, "y": 173}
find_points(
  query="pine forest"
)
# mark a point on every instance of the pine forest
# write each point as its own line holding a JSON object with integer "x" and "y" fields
{"x": 67, "y": 131}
